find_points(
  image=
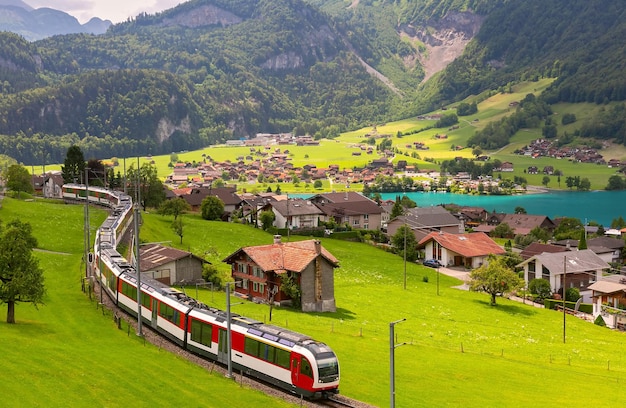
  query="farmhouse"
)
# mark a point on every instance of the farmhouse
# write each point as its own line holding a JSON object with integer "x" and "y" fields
{"x": 572, "y": 269}
{"x": 263, "y": 270}
{"x": 468, "y": 250}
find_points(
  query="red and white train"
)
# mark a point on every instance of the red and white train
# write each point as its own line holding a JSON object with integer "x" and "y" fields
{"x": 290, "y": 360}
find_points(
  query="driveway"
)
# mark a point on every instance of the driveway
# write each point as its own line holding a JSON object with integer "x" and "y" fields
{"x": 460, "y": 273}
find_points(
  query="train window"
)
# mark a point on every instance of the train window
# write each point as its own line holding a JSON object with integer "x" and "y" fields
{"x": 282, "y": 358}
{"x": 270, "y": 353}
{"x": 251, "y": 347}
{"x": 146, "y": 301}
{"x": 129, "y": 291}
{"x": 305, "y": 368}
{"x": 169, "y": 313}
{"x": 201, "y": 332}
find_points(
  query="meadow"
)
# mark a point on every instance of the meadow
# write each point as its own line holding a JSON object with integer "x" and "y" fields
{"x": 69, "y": 352}
{"x": 460, "y": 351}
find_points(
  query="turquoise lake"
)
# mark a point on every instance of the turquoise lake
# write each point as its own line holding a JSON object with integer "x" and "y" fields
{"x": 599, "y": 206}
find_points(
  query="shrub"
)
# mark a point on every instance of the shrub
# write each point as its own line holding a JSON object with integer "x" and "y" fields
{"x": 425, "y": 279}
{"x": 210, "y": 274}
{"x": 572, "y": 295}
{"x": 540, "y": 288}
{"x": 599, "y": 321}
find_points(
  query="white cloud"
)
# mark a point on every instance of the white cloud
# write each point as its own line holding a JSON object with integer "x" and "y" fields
{"x": 114, "y": 10}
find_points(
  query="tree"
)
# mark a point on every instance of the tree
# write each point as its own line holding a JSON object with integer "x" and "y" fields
{"x": 21, "y": 278}
{"x": 73, "y": 168}
{"x": 267, "y": 219}
{"x": 584, "y": 184}
{"x": 19, "y": 179}
{"x": 212, "y": 208}
{"x": 175, "y": 207}
{"x": 404, "y": 240}
{"x": 503, "y": 230}
{"x": 317, "y": 184}
{"x": 151, "y": 189}
{"x": 545, "y": 180}
{"x": 616, "y": 182}
{"x": 397, "y": 209}
{"x": 520, "y": 210}
{"x": 177, "y": 227}
{"x": 540, "y": 288}
{"x": 494, "y": 278}
{"x": 582, "y": 242}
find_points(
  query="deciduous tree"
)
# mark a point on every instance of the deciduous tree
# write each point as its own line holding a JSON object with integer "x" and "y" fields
{"x": 404, "y": 240}
{"x": 19, "y": 179}
{"x": 21, "y": 278}
{"x": 494, "y": 278}
{"x": 175, "y": 207}
{"x": 212, "y": 208}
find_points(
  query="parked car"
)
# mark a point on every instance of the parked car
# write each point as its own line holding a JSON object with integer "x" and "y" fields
{"x": 431, "y": 263}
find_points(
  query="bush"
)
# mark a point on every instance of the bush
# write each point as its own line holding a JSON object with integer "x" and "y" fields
{"x": 540, "y": 288}
{"x": 599, "y": 321}
{"x": 210, "y": 274}
{"x": 425, "y": 279}
{"x": 572, "y": 295}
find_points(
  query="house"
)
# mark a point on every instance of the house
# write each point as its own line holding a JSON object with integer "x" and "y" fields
{"x": 506, "y": 166}
{"x": 522, "y": 224}
{"x": 52, "y": 185}
{"x": 468, "y": 250}
{"x": 566, "y": 269}
{"x": 353, "y": 209}
{"x": 537, "y": 248}
{"x": 423, "y": 221}
{"x": 170, "y": 265}
{"x": 296, "y": 213}
{"x": 607, "y": 248}
{"x": 262, "y": 271}
{"x": 609, "y": 300}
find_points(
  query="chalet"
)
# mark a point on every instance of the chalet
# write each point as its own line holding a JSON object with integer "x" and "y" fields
{"x": 170, "y": 265}
{"x": 423, "y": 221}
{"x": 468, "y": 250}
{"x": 506, "y": 166}
{"x": 609, "y": 300}
{"x": 537, "y": 248}
{"x": 296, "y": 213}
{"x": 379, "y": 163}
{"x": 521, "y": 224}
{"x": 549, "y": 170}
{"x": 52, "y": 185}
{"x": 568, "y": 269}
{"x": 353, "y": 209}
{"x": 532, "y": 170}
{"x": 262, "y": 271}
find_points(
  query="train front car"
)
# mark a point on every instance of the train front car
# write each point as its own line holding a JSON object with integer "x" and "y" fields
{"x": 317, "y": 373}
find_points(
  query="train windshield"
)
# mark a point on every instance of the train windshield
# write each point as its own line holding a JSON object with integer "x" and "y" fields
{"x": 328, "y": 367}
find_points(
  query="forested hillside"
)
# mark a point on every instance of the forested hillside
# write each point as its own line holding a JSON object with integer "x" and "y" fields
{"x": 211, "y": 70}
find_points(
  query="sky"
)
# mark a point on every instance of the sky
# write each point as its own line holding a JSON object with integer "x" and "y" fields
{"x": 114, "y": 10}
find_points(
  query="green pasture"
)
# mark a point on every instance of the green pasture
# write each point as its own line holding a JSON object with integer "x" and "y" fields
{"x": 69, "y": 353}
{"x": 460, "y": 351}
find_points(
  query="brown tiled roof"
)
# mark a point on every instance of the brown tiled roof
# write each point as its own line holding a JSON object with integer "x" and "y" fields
{"x": 154, "y": 255}
{"x": 468, "y": 245}
{"x": 537, "y": 248}
{"x": 289, "y": 256}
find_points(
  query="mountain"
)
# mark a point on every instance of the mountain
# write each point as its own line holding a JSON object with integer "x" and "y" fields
{"x": 35, "y": 24}
{"x": 320, "y": 67}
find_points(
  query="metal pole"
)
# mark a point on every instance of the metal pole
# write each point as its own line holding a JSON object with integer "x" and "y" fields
{"x": 228, "y": 332}
{"x": 137, "y": 260}
{"x": 100, "y": 261}
{"x": 564, "y": 275}
{"x": 437, "y": 280}
{"x": 405, "y": 228}
{"x": 87, "y": 226}
{"x": 392, "y": 347}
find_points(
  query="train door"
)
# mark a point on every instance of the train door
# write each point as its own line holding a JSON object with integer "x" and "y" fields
{"x": 301, "y": 372}
{"x": 222, "y": 347}
{"x": 155, "y": 312}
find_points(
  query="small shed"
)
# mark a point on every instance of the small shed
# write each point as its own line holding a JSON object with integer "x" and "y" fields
{"x": 170, "y": 265}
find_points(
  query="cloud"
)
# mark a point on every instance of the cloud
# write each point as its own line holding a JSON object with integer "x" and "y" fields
{"x": 114, "y": 10}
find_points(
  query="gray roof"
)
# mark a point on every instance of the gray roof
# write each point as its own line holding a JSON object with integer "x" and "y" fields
{"x": 296, "y": 207}
{"x": 426, "y": 217}
{"x": 608, "y": 242}
{"x": 572, "y": 261}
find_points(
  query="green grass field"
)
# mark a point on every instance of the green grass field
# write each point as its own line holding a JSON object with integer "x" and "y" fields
{"x": 460, "y": 351}
{"x": 69, "y": 354}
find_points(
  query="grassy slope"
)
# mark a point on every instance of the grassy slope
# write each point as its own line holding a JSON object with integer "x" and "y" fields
{"x": 513, "y": 353}
{"x": 68, "y": 353}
